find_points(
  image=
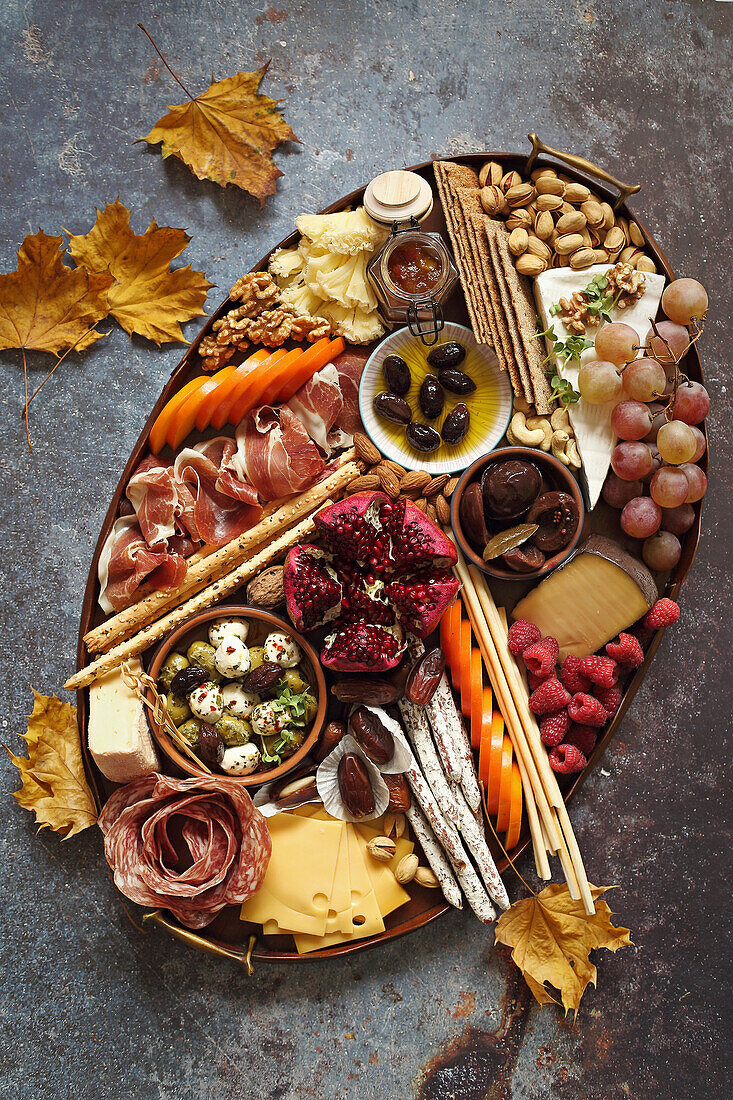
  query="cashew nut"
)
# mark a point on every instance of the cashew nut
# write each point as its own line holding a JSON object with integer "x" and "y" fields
{"x": 560, "y": 420}
{"x": 519, "y": 433}
{"x": 573, "y": 454}
{"x": 560, "y": 440}
{"x": 543, "y": 424}
{"x": 522, "y": 405}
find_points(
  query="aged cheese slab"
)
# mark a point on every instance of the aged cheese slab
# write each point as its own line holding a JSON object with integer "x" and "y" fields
{"x": 119, "y": 737}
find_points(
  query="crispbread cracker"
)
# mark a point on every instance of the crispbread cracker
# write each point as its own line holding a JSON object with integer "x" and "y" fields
{"x": 493, "y": 232}
{"x": 464, "y": 269}
{"x": 458, "y": 180}
{"x": 525, "y": 311}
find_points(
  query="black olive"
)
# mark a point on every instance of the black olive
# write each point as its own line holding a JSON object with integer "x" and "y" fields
{"x": 447, "y": 355}
{"x": 456, "y": 424}
{"x": 456, "y": 381}
{"x": 422, "y": 438}
{"x": 431, "y": 397}
{"x": 397, "y": 375}
{"x": 185, "y": 681}
{"x": 392, "y": 408}
{"x": 210, "y": 746}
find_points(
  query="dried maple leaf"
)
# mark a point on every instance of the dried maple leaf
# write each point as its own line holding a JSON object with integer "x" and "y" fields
{"x": 146, "y": 297}
{"x": 551, "y": 937}
{"x": 54, "y": 787}
{"x": 227, "y": 134}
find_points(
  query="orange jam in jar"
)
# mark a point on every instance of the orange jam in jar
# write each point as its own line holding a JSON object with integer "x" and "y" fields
{"x": 414, "y": 268}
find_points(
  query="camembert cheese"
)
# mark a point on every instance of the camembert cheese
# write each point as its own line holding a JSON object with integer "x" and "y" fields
{"x": 119, "y": 736}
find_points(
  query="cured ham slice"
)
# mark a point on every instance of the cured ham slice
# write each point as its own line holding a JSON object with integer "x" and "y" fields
{"x": 318, "y": 405}
{"x": 221, "y": 856}
{"x": 127, "y": 560}
{"x": 350, "y": 365}
{"x": 220, "y": 504}
{"x": 275, "y": 453}
{"x": 152, "y": 492}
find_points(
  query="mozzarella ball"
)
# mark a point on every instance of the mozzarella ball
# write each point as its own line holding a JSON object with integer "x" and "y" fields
{"x": 206, "y": 702}
{"x": 238, "y": 701}
{"x": 266, "y": 720}
{"x": 232, "y": 657}
{"x": 240, "y": 760}
{"x": 231, "y": 628}
{"x": 282, "y": 650}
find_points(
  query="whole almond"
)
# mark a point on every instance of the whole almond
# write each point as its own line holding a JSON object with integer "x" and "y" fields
{"x": 406, "y": 869}
{"x": 509, "y": 180}
{"x": 593, "y": 212}
{"x": 549, "y": 185}
{"x": 549, "y": 202}
{"x": 571, "y": 223}
{"x": 442, "y": 508}
{"x": 492, "y": 199}
{"x": 490, "y": 173}
{"x": 431, "y": 513}
{"x": 421, "y": 503}
{"x": 518, "y": 241}
{"x": 539, "y": 248}
{"x": 636, "y": 235}
{"x": 450, "y": 487}
{"x": 395, "y": 467}
{"x": 520, "y": 195}
{"x": 389, "y": 483}
{"x": 568, "y": 242}
{"x": 382, "y": 848}
{"x": 576, "y": 193}
{"x": 584, "y": 257}
{"x": 542, "y": 173}
{"x": 425, "y": 876}
{"x": 520, "y": 218}
{"x": 365, "y": 449}
{"x": 608, "y": 216}
{"x": 364, "y": 483}
{"x": 530, "y": 265}
{"x": 435, "y": 485}
{"x": 544, "y": 225}
{"x": 646, "y": 264}
{"x": 394, "y": 825}
{"x": 414, "y": 480}
{"x": 614, "y": 240}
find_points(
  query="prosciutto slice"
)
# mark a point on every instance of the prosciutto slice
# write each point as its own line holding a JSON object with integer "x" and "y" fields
{"x": 328, "y": 403}
{"x": 350, "y": 365}
{"x": 275, "y": 453}
{"x": 217, "y": 504}
{"x": 127, "y": 560}
{"x": 152, "y": 492}
{"x": 221, "y": 856}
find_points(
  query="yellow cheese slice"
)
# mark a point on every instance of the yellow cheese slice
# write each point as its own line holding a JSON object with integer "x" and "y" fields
{"x": 299, "y": 882}
{"x": 390, "y": 895}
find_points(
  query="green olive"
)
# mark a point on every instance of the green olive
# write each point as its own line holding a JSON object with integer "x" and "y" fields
{"x": 178, "y": 708}
{"x": 233, "y": 730}
{"x": 256, "y": 656}
{"x": 311, "y": 707}
{"x": 294, "y": 680}
{"x": 173, "y": 663}
{"x": 201, "y": 653}
{"x": 189, "y": 731}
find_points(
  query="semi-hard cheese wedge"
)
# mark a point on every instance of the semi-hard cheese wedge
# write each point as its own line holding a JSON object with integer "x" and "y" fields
{"x": 298, "y": 885}
{"x": 120, "y": 740}
{"x": 591, "y": 423}
{"x": 584, "y": 604}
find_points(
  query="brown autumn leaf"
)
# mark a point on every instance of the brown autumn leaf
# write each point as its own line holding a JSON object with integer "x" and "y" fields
{"x": 227, "y": 134}
{"x": 54, "y": 786}
{"x": 551, "y": 937}
{"x": 147, "y": 297}
{"x": 47, "y": 306}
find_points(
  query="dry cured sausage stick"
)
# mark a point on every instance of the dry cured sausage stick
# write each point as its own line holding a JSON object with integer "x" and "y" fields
{"x": 416, "y": 724}
{"x": 473, "y": 834}
{"x": 476, "y": 896}
{"x": 435, "y": 856}
{"x": 441, "y": 720}
{"x": 469, "y": 779}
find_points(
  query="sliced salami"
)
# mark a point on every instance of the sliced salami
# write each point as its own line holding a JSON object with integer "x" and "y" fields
{"x": 188, "y": 845}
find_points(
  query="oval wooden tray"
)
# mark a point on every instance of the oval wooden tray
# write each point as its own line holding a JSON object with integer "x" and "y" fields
{"x": 228, "y": 937}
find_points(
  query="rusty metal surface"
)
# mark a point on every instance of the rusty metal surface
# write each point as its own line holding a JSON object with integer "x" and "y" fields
{"x": 93, "y": 1007}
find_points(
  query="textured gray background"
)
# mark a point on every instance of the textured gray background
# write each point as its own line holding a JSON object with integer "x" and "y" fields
{"x": 90, "y": 1007}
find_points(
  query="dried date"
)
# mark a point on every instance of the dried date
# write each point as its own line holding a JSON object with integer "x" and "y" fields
{"x": 262, "y": 678}
{"x": 373, "y": 692}
{"x": 372, "y": 735}
{"x": 354, "y": 786}
{"x": 400, "y": 798}
{"x": 424, "y": 677}
{"x": 329, "y": 739}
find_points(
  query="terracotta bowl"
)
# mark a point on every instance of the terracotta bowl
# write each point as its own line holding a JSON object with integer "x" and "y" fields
{"x": 196, "y": 628}
{"x": 555, "y": 474}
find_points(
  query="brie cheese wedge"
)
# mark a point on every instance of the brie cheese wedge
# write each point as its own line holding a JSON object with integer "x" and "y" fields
{"x": 119, "y": 736}
{"x": 595, "y": 437}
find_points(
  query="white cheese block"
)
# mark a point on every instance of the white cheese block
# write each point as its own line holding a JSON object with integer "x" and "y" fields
{"x": 119, "y": 736}
{"x": 591, "y": 423}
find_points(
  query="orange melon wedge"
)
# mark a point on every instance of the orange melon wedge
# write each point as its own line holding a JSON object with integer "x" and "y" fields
{"x": 481, "y": 703}
{"x": 505, "y": 787}
{"x": 255, "y": 384}
{"x": 185, "y": 419}
{"x": 495, "y": 739}
{"x": 167, "y": 414}
{"x": 515, "y": 810}
{"x": 230, "y": 386}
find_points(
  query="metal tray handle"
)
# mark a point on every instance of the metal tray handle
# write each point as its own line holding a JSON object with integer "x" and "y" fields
{"x": 191, "y": 939}
{"x": 624, "y": 189}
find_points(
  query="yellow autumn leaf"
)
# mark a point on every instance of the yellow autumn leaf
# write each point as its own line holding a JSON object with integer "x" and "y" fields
{"x": 47, "y": 306}
{"x": 551, "y": 937}
{"x": 146, "y": 296}
{"x": 227, "y": 134}
{"x": 54, "y": 786}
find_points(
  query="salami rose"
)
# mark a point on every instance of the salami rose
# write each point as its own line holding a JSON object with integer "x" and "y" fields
{"x": 188, "y": 845}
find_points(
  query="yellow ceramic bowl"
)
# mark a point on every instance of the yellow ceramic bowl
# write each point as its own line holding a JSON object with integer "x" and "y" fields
{"x": 490, "y": 405}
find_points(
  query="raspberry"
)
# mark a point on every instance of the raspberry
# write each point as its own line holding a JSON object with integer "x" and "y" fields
{"x": 549, "y": 696}
{"x": 586, "y": 710}
{"x": 626, "y": 651}
{"x": 566, "y": 759}
{"x": 535, "y": 681}
{"x": 553, "y": 727}
{"x": 572, "y": 677}
{"x": 583, "y": 737}
{"x": 541, "y": 657}
{"x": 522, "y": 634}
{"x": 600, "y": 670}
{"x": 609, "y": 698}
{"x": 664, "y": 613}
{"x": 643, "y": 635}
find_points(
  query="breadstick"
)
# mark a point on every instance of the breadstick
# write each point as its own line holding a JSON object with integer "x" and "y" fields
{"x": 435, "y": 856}
{"x": 206, "y": 598}
{"x": 214, "y": 565}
